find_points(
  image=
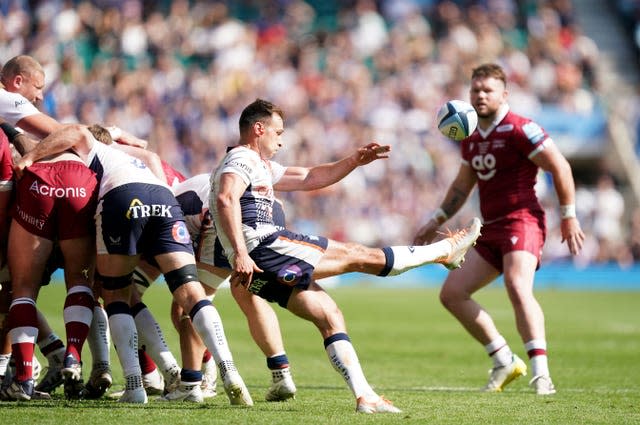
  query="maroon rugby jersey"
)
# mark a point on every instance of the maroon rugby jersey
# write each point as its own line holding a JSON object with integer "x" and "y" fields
{"x": 506, "y": 175}
{"x": 6, "y": 164}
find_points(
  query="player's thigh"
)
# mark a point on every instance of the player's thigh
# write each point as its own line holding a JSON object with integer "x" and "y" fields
{"x": 345, "y": 257}
{"x": 316, "y": 306}
{"x": 474, "y": 274}
{"x": 79, "y": 259}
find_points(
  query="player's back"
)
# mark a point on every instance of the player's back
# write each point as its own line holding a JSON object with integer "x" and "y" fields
{"x": 115, "y": 168}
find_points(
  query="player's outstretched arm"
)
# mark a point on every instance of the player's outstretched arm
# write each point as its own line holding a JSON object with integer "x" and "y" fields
{"x": 319, "y": 176}
{"x": 455, "y": 198}
{"x": 74, "y": 136}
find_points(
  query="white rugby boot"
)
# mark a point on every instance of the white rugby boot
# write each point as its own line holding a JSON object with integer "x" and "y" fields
{"x": 376, "y": 405}
{"x": 500, "y": 376}
{"x": 282, "y": 387}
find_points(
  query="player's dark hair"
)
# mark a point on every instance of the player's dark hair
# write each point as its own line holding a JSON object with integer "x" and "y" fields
{"x": 258, "y": 111}
{"x": 489, "y": 70}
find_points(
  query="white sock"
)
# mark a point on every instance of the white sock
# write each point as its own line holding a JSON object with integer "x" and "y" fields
{"x": 537, "y": 351}
{"x": 408, "y": 257}
{"x": 99, "y": 338}
{"x": 125, "y": 340}
{"x": 345, "y": 361}
{"x": 152, "y": 338}
{"x": 55, "y": 357}
{"x": 4, "y": 362}
{"x": 208, "y": 324}
{"x": 499, "y": 351}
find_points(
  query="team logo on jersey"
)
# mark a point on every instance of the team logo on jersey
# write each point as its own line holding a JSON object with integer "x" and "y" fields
{"x": 289, "y": 275}
{"x": 504, "y": 128}
{"x": 18, "y": 103}
{"x": 58, "y": 192}
{"x": 138, "y": 163}
{"x": 139, "y": 210}
{"x": 533, "y": 132}
{"x": 514, "y": 240}
{"x": 180, "y": 233}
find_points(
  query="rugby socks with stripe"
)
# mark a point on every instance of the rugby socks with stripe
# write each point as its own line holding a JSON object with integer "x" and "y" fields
{"x": 399, "y": 259}
{"x": 537, "y": 351}
{"x": 77, "y": 314}
{"x": 345, "y": 361}
{"x": 23, "y": 331}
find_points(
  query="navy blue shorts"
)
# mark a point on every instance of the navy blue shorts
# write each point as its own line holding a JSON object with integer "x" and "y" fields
{"x": 288, "y": 260}
{"x": 141, "y": 218}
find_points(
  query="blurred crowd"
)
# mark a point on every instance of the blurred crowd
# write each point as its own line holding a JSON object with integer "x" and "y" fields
{"x": 178, "y": 73}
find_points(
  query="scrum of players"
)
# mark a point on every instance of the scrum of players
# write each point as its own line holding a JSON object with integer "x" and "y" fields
{"x": 66, "y": 195}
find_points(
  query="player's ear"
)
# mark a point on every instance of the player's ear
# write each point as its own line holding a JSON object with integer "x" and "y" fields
{"x": 259, "y": 128}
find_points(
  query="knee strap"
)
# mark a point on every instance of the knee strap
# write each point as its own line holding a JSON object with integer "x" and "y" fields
{"x": 112, "y": 283}
{"x": 178, "y": 277}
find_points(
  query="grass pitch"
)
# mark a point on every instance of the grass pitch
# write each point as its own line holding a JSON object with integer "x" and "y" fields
{"x": 412, "y": 351}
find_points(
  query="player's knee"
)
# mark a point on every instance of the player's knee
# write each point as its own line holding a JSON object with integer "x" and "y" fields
{"x": 450, "y": 295}
{"x": 113, "y": 283}
{"x": 178, "y": 277}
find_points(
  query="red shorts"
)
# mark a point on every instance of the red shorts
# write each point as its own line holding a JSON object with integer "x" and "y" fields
{"x": 57, "y": 200}
{"x": 523, "y": 233}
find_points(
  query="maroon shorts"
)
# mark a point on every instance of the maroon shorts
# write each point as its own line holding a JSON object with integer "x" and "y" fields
{"x": 509, "y": 234}
{"x": 57, "y": 200}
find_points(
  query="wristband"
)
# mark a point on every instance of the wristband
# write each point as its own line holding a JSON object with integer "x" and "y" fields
{"x": 440, "y": 216}
{"x": 568, "y": 211}
{"x": 9, "y": 130}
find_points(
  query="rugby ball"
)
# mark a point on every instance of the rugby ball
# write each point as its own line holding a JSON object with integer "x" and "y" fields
{"x": 457, "y": 119}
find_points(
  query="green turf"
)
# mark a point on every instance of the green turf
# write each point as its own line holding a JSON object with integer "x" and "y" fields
{"x": 413, "y": 352}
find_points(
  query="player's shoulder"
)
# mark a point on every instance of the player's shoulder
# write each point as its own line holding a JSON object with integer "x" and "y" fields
{"x": 198, "y": 183}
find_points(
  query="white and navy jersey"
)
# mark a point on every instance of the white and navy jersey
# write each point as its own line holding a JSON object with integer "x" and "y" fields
{"x": 193, "y": 197}
{"x": 256, "y": 203}
{"x": 115, "y": 168}
{"x": 14, "y": 107}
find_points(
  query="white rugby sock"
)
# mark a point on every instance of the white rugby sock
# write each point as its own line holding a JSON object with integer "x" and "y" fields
{"x": 499, "y": 351}
{"x": 345, "y": 361}
{"x": 208, "y": 324}
{"x": 537, "y": 351}
{"x": 403, "y": 258}
{"x": 99, "y": 338}
{"x": 150, "y": 335}
{"x": 125, "y": 340}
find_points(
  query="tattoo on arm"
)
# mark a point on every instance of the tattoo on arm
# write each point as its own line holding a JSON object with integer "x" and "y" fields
{"x": 457, "y": 199}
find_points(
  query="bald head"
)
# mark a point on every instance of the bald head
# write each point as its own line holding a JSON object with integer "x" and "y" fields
{"x": 23, "y": 74}
{"x": 20, "y": 65}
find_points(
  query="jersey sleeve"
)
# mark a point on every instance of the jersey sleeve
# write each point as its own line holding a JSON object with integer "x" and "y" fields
{"x": 239, "y": 162}
{"x": 532, "y": 138}
{"x": 14, "y": 107}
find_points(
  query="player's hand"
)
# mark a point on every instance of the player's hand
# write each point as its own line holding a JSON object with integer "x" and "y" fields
{"x": 427, "y": 233}
{"x": 243, "y": 270}
{"x": 371, "y": 152}
{"x": 120, "y": 136}
{"x": 19, "y": 167}
{"x": 573, "y": 234}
